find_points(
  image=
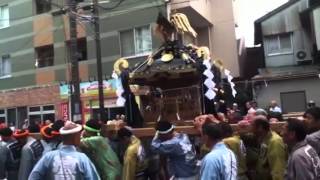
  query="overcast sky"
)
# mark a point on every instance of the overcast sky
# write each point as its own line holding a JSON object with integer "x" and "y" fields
{"x": 249, "y": 11}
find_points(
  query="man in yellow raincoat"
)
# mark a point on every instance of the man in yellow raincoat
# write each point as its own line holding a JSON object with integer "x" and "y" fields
{"x": 271, "y": 163}
{"x": 134, "y": 161}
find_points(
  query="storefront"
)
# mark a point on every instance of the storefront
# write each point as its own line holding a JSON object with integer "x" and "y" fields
{"x": 90, "y": 103}
{"x": 51, "y": 102}
{"x": 36, "y": 104}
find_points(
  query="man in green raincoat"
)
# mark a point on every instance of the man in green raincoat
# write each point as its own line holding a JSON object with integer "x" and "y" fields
{"x": 99, "y": 151}
{"x": 272, "y": 158}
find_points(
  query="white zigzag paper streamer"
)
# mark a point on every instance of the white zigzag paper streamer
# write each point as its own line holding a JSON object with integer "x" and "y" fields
{"x": 209, "y": 83}
{"x": 208, "y": 73}
{"x": 210, "y": 94}
{"x": 229, "y": 77}
{"x": 206, "y": 62}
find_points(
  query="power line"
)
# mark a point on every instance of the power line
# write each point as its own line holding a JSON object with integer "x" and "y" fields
{"x": 63, "y": 8}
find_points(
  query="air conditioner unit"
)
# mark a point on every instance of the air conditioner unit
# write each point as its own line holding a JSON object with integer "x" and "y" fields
{"x": 303, "y": 57}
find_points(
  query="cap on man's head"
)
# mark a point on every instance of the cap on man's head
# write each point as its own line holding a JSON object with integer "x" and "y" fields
{"x": 21, "y": 133}
{"x": 6, "y": 132}
{"x": 164, "y": 127}
{"x": 70, "y": 128}
{"x": 93, "y": 126}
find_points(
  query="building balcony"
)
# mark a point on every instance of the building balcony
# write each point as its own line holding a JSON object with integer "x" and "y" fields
{"x": 287, "y": 72}
{"x": 198, "y": 11}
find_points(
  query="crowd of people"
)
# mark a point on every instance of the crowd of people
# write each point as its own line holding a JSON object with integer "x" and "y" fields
{"x": 67, "y": 150}
{"x": 261, "y": 153}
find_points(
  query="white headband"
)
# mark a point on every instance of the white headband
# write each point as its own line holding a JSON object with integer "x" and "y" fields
{"x": 167, "y": 131}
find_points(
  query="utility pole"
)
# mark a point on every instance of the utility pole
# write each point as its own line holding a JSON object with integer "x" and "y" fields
{"x": 75, "y": 81}
{"x": 98, "y": 56}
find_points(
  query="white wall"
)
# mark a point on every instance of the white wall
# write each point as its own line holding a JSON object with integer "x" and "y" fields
{"x": 223, "y": 35}
{"x": 274, "y": 88}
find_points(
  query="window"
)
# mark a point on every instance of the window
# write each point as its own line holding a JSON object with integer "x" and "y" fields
{"x": 81, "y": 48}
{"x": 293, "y": 101}
{"x": 112, "y": 112}
{"x": 45, "y": 56}
{"x": 48, "y": 108}
{"x": 12, "y": 116}
{"x": 279, "y": 44}
{"x": 127, "y": 43}
{"x": 41, "y": 113}
{"x": 2, "y": 115}
{"x": 5, "y": 66}
{"x": 43, "y": 6}
{"x": 136, "y": 41}
{"x": 4, "y": 16}
{"x": 143, "y": 42}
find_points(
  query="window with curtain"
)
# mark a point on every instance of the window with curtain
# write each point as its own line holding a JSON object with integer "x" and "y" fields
{"x": 4, "y": 16}
{"x": 127, "y": 43}
{"x": 5, "y": 65}
{"x": 279, "y": 44}
{"x": 136, "y": 41}
{"x": 143, "y": 40}
{"x": 273, "y": 44}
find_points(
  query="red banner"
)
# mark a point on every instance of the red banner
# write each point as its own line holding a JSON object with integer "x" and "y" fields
{"x": 64, "y": 109}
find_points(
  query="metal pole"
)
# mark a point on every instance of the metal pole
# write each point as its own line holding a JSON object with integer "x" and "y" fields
{"x": 98, "y": 56}
{"x": 75, "y": 82}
